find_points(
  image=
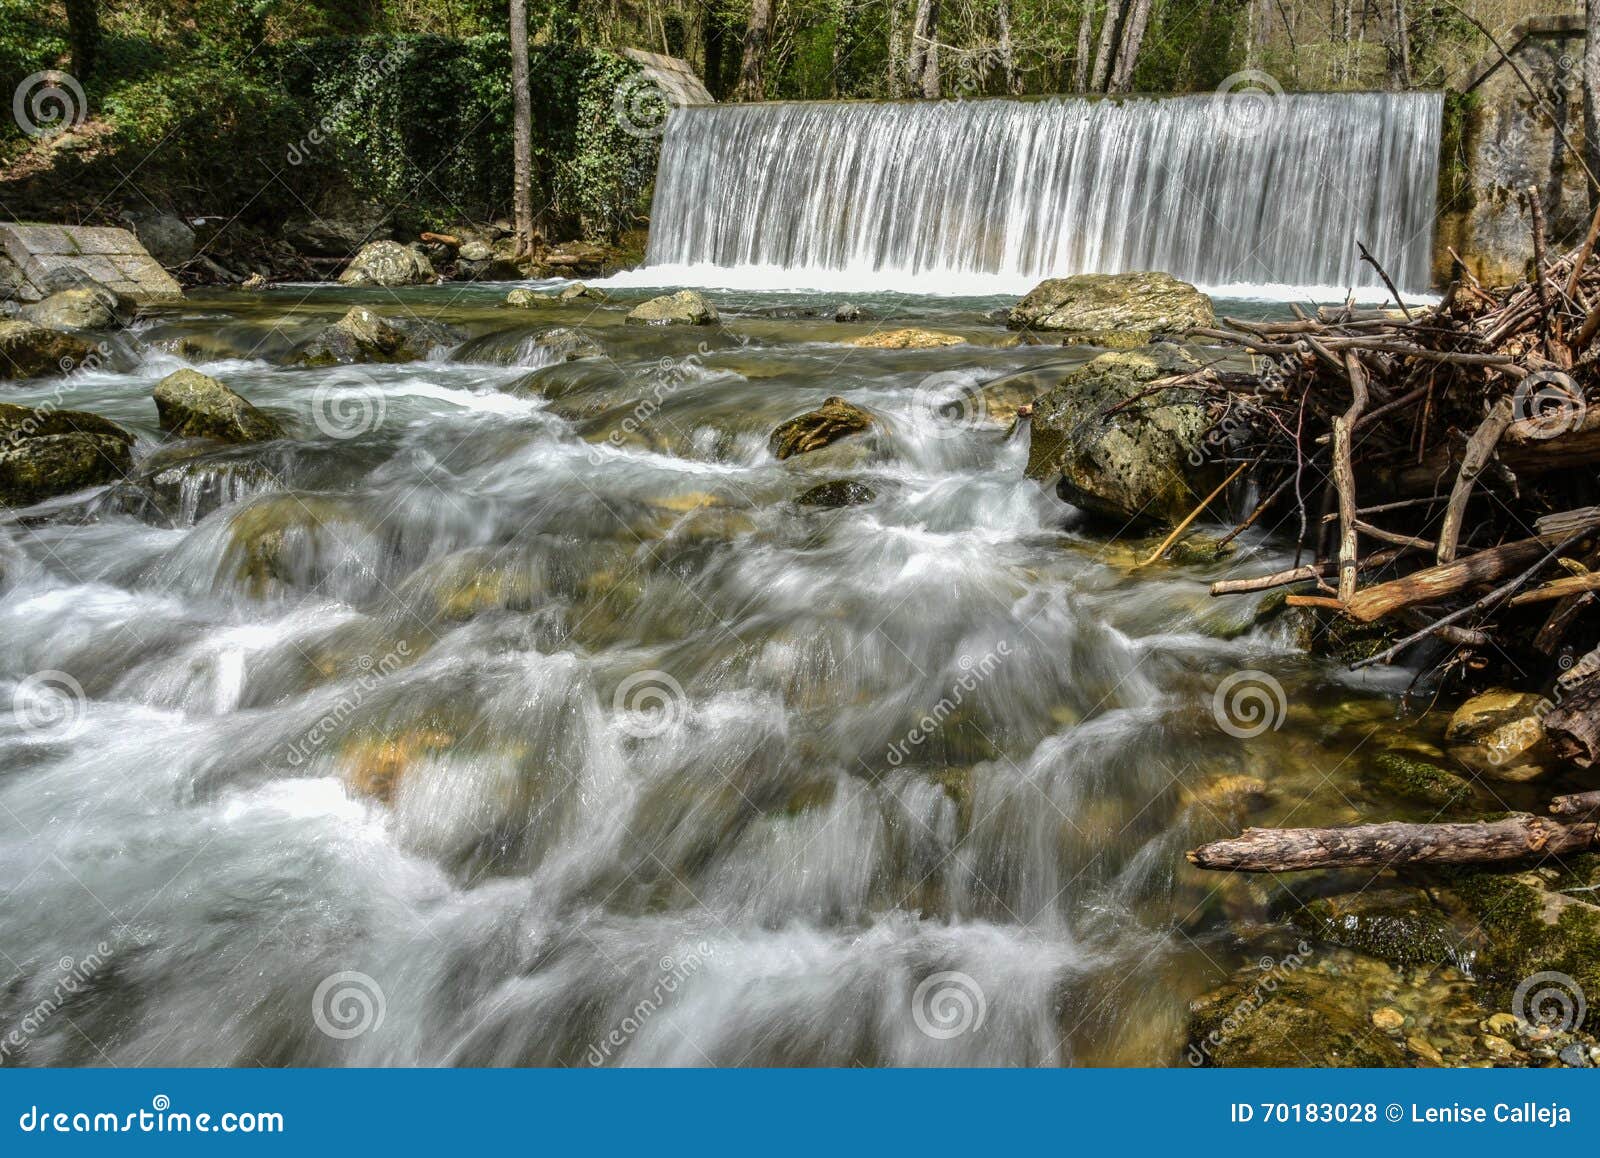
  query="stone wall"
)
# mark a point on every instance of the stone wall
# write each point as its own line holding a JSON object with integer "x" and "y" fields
{"x": 1498, "y": 143}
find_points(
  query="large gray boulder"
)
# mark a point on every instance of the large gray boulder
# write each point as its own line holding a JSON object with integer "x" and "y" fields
{"x": 1138, "y": 465}
{"x": 169, "y": 238}
{"x": 387, "y": 263}
{"x": 31, "y": 351}
{"x": 52, "y": 452}
{"x": 1119, "y": 310}
{"x": 684, "y": 308}
{"x": 191, "y": 405}
{"x": 364, "y": 336}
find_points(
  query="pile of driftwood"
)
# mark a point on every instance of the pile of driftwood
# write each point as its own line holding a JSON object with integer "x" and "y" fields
{"x": 1439, "y": 466}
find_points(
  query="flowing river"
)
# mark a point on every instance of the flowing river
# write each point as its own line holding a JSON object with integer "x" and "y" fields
{"x": 514, "y": 711}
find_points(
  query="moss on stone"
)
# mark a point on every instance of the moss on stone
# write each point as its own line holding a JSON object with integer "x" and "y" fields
{"x": 1404, "y": 777}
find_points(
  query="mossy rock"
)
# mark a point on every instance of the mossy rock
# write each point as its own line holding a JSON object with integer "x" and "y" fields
{"x": 833, "y": 420}
{"x": 387, "y": 263}
{"x": 363, "y": 335}
{"x": 1118, "y": 310}
{"x": 30, "y": 351}
{"x": 191, "y": 405}
{"x": 1403, "y": 926}
{"x": 1403, "y": 777}
{"x": 44, "y": 453}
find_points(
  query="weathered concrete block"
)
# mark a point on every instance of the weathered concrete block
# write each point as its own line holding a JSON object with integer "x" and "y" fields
{"x": 110, "y": 256}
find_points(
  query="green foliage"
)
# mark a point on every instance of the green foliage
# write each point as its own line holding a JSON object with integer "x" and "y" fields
{"x": 27, "y": 45}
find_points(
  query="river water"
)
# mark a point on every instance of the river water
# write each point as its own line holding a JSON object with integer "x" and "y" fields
{"x": 514, "y": 712}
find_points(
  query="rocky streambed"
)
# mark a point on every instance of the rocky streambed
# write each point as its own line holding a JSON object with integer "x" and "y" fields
{"x": 733, "y": 679}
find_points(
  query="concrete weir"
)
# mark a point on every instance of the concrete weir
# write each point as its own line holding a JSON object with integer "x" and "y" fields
{"x": 47, "y": 258}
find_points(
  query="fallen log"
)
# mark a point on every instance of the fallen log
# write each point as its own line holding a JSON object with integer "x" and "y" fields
{"x": 1578, "y": 804}
{"x": 1273, "y": 850}
{"x": 1573, "y": 727}
{"x": 1437, "y": 583}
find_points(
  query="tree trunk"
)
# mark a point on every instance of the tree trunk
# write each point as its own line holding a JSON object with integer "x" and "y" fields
{"x": 1399, "y": 47}
{"x": 1109, "y": 32}
{"x": 899, "y": 66}
{"x": 1573, "y": 728}
{"x": 1276, "y": 850}
{"x": 713, "y": 44}
{"x": 1008, "y": 62}
{"x": 83, "y": 35}
{"x": 521, "y": 130}
{"x": 1080, "y": 63}
{"x": 756, "y": 36}
{"x": 922, "y": 66}
{"x": 1128, "y": 54}
{"x": 930, "y": 65}
{"x": 1591, "y": 91}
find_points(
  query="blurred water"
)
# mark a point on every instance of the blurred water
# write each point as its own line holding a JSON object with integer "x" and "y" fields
{"x": 514, "y": 712}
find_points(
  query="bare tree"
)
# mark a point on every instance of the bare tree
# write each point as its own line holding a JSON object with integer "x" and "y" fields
{"x": 922, "y": 64}
{"x": 1008, "y": 60}
{"x": 521, "y": 130}
{"x": 1128, "y": 54}
{"x": 1105, "y": 53}
{"x": 1398, "y": 46}
{"x": 756, "y": 37}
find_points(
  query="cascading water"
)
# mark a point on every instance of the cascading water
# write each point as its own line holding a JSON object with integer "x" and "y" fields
{"x": 989, "y": 196}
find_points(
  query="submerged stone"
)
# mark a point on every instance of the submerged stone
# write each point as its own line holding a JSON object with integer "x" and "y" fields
{"x": 1403, "y": 926}
{"x": 833, "y": 420}
{"x": 365, "y": 336}
{"x": 191, "y": 405}
{"x": 905, "y": 339}
{"x": 1500, "y": 734}
{"x": 1404, "y": 777}
{"x": 684, "y": 308}
{"x": 842, "y": 492}
{"x": 44, "y": 453}
{"x": 1121, "y": 310}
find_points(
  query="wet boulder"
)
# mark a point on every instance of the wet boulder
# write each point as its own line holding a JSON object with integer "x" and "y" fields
{"x": 833, "y": 420}
{"x": 1120, "y": 310}
{"x": 577, "y": 291}
{"x": 905, "y": 339}
{"x": 1400, "y": 925}
{"x": 684, "y": 308}
{"x": 32, "y": 351}
{"x": 191, "y": 405}
{"x": 566, "y": 344}
{"x": 1137, "y": 465}
{"x": 53, "y": 452}
{"x": 365, "y": 336}
{"x": 1500, "y": 734}
{"x": 168, "y": 238}
{"x": 82, "y": 308}
{"x": 840, "y": 492}
{"x": 387, "y": 263}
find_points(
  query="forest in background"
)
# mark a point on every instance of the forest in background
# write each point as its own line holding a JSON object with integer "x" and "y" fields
{"x": 194, "y": 104}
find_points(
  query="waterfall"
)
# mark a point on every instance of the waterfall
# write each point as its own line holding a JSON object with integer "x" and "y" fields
{"x": 990, "y": 196}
